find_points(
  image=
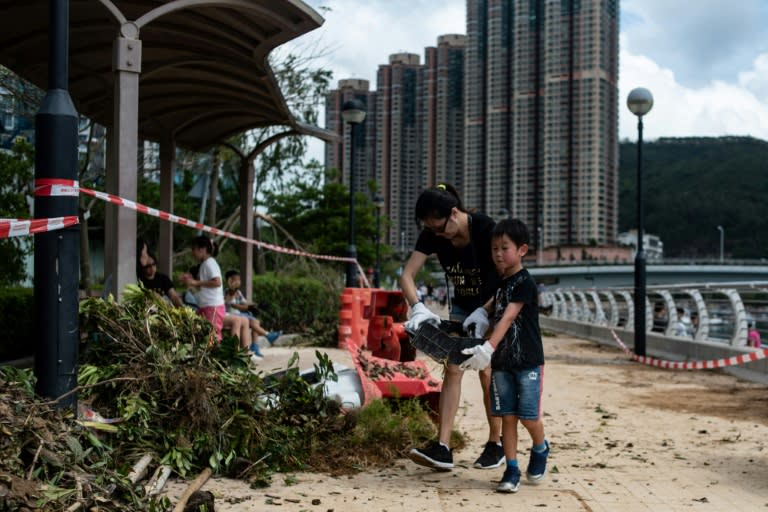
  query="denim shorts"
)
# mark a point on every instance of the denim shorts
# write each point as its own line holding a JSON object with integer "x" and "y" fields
{"x": 517, "y": 393}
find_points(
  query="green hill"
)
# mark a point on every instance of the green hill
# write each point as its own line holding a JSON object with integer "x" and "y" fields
{"x": 692, "y": 185}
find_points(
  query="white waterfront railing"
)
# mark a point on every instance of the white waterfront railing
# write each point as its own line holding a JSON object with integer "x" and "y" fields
{"x": 718, "y": 312}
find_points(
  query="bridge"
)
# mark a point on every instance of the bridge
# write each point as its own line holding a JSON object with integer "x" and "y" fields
{"x": 603, "y": 275}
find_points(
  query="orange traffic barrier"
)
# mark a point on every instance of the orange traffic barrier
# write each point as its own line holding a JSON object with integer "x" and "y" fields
{"x": 371, "y": 328}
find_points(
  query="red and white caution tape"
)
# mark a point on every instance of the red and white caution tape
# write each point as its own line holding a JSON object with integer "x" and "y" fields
{"x": 693, "y": 365}
{"x": 57, "y": 187}
{"x": 18, "y": 227}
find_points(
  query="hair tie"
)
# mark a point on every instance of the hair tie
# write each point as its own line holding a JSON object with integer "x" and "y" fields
{"x": 441, "y": 186}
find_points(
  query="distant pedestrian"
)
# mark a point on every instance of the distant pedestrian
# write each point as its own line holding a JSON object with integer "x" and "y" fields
{"x": 753, "y": 335}
{"x": 515, "y": 352}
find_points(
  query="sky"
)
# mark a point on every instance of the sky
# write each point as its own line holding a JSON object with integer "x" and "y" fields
{"x": 704, "y": 61}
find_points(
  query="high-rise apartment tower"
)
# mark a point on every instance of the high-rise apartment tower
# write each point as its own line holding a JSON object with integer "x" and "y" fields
{"x": 337, "y": 154}
{"x": 541, "y": 133}
{"x": 444, "y": 116}
{"x": 400, "y": 143}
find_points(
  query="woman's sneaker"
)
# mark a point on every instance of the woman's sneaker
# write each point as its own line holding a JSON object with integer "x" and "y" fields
{"x": 510, "y": 482}
{"x": 492, "y": 456}
{"x": 537, "y": 466}
{"x": 272, "y": 336}
{"x": 434, "y": 455}
{"x": 256, "y": 349}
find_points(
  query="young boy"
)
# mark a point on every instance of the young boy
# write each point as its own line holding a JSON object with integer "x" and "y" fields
{"x": 238, "y": 306}
{"x": 516, "y": 355}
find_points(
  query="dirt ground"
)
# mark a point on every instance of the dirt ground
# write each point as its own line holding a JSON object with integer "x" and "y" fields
{"x": 624, "y": 437}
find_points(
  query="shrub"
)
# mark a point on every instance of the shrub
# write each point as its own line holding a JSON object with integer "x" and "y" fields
{"x": 298, "y": 304}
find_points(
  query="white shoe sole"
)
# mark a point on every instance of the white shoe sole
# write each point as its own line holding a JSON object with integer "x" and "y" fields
{"x": 508, "y": 489}
{"x": 501, "y": 462}
{"x": 422, "y": 460}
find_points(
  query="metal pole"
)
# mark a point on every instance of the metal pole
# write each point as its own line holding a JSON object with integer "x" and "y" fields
{"x": 640, "y": 254}
{"x": 351, "y": 250}
{"x": 722, "y": 239}
{"x": 57, "y": 253}
{"x": 377, "y": 268}
{"x": 539, "y": 247}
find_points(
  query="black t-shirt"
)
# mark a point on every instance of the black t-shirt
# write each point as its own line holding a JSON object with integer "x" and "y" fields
{"x": 470, "y": 268}
{"x": 161, "y": 283}
{"x": 521, "y": 346}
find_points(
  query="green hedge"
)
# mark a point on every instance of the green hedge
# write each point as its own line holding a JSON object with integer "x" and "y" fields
{"x": 298, "y": 305}
{"x": 17, "y": 305}
{"x": 290, "y": 304}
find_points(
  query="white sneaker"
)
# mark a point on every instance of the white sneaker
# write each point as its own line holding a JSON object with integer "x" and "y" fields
{"x": 256, "y": 359}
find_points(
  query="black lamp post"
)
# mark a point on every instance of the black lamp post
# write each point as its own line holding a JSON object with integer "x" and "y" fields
{"x": 353, "y": 113}
{"x": 378, "y": 202}
{"x": 639, "y": 103}
{"x": 57, "y": 253}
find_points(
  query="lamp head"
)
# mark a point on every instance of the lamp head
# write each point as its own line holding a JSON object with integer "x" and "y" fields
{"x": 378, "y": 201}
{"x": 640, "y": 101}
{"x": 353, "y": 111}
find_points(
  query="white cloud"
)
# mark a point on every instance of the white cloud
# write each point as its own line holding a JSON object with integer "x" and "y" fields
{"x": 702, "y": 41}
{"x": 718, "y": 108}
{"x": 756, "y": 79}
{"x": 703, "y": 61}
{"x": 363, "y": 34}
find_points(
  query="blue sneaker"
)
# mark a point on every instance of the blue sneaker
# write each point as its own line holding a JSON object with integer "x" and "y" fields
{"x": 272, "y": 336}
{"x": 537, "y": 466}
{"x": 256, "y": 349}
{"x": 510, "y": 482}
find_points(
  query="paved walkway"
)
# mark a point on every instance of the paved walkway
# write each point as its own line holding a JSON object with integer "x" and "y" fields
{"x": 624, "y": 438}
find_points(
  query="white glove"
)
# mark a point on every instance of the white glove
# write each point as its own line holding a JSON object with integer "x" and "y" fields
{"x": 481, "y": 357}
{"x": 419, "y": 315}
{"x": 479, "y": 318}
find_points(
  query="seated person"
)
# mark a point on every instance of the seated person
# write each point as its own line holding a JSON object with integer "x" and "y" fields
{"x": 158, "y": 282}
{"x": 237, "y": 325}
{"x": 237, "y": 305}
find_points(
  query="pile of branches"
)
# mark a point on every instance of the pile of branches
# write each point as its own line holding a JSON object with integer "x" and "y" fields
{"x": 162, "y": 393}
{"x": 50, "y": 462}
{"x": 195, "y": 403}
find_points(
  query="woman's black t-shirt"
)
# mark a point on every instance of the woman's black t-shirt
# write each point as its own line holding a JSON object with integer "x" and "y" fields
{"x": 161, "y": 283}
{"x": 470, "y": 268}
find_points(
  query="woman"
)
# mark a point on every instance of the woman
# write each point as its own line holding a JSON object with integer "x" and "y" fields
{"x": 462, "y": 242}
{"x": 158, "y": 282}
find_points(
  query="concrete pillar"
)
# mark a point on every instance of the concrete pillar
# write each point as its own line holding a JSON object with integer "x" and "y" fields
{"x": 121, "y": 180}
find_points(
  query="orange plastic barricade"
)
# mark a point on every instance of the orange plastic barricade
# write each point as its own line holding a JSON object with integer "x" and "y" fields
{"x": 371, "y": 328}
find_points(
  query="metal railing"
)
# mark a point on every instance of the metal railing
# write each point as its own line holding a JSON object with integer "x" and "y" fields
{"x": 715, "y": 312}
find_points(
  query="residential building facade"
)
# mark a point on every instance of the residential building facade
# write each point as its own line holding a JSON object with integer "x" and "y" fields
{"x": 541, "y": 133}
{"x": 337, "y": 155}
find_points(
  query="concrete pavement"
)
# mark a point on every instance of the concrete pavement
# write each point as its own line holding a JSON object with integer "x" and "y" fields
{"x": 624, "y": 438}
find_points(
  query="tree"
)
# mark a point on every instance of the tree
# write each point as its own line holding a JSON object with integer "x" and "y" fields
{"x": 278, "y": 153}
{"x": 316, "y": 212}
{"x": 15, "y": 179}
